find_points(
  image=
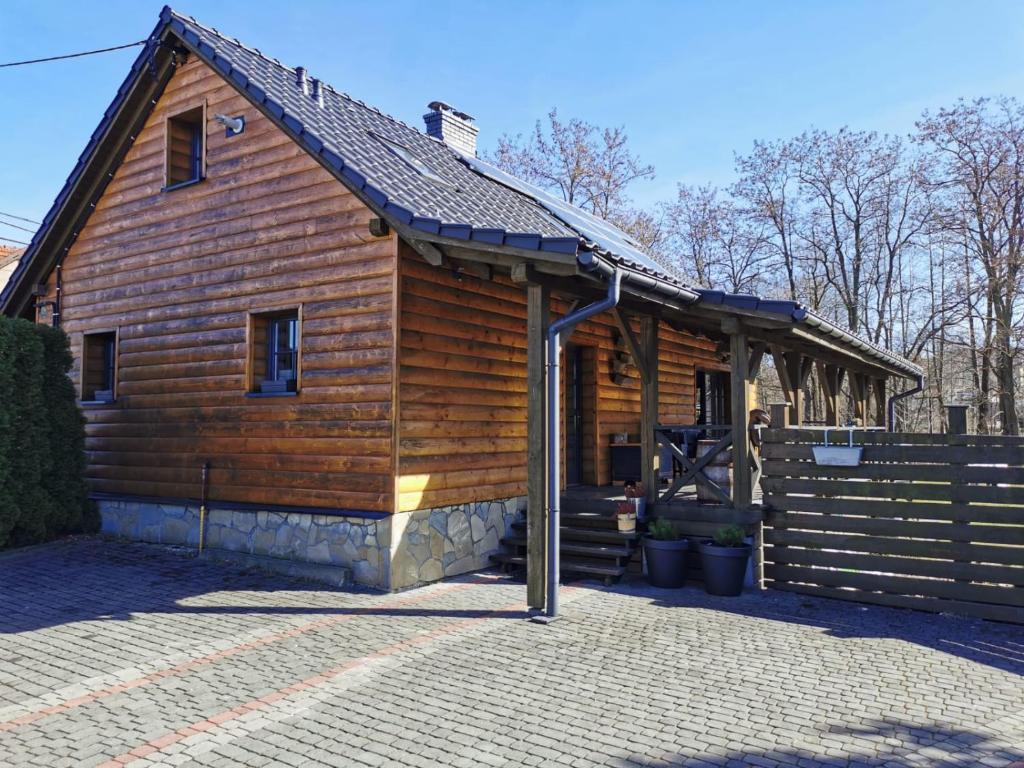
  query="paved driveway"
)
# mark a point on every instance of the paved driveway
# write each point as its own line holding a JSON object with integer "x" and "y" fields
{"x": 117, "y": 654}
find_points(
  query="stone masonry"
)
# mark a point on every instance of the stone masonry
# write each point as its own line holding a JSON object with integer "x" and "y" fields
{"x": 394, "y": 552}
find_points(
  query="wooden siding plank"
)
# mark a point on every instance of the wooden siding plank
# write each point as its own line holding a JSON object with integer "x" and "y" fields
{"x": 178, "y": 272}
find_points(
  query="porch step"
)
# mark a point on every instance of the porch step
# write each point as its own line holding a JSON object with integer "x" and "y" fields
{"x": 570, "y": 533}
{"x": 590, "y": 544}
{"x": 609, "y": 572}
{"x": 603, "y": 506}
{"x": 597, "y": 550}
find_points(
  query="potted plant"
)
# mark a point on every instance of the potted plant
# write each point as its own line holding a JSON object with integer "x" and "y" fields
{"x": 724, "y": 560}
{"x": 637, "y": 496}
{"x": 625, "y": 515}
{"x": 665, "y": 554}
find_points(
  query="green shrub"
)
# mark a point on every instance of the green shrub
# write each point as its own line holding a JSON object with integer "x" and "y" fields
{"x": 730, "y": 536}
{"x": 65, "y": 481}
{"x": 663, "y": 530}
{"x": 42, "y": 439}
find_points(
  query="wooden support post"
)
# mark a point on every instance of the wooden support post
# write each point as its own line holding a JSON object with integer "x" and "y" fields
{"x": 880, "y": 403}
{"x": 649, "y": 451}
{"x": 793, "y": 369}
{"x": 831, "y": 379}
{"x": 742, "y": 488}
{"x": 780, "y": 415}
{"x": 859, "y": 394}
{"x": 538, "y": 318}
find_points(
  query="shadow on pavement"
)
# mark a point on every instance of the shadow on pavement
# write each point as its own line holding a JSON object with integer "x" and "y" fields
{"x": 892, "y": 742}
{"x": 985, "y": 642}
{"x": 89, "y": 579}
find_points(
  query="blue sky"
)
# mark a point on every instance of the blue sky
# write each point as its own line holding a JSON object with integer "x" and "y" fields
{"x": 692, "y": 82}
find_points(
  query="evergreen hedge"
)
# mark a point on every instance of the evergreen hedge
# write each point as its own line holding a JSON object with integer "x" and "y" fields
{"x": 42, "y": 438}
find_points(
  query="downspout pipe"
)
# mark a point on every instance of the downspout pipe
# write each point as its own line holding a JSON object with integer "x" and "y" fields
{"x": 891, "y": 408}
{"x": 554, "y": 475}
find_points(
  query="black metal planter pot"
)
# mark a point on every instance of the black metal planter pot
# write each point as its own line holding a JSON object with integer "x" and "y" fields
{"x": 666, "y": 562}
{"x": 725, "y": 568}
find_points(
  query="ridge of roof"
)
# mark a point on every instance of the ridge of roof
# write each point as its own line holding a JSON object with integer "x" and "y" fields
{"x": 477, "y": 207}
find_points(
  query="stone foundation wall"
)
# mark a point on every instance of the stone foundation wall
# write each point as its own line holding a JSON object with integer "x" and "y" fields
{"x": 395, "y": 552}
{"x": 429, "y": 544}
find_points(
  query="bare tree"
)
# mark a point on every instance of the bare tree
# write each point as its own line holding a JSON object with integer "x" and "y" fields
{"x": 586, "y": 166}
{"x": 708, "y": 239}
{"x": 767, "y": 192}
{"x": 977, "y": 148}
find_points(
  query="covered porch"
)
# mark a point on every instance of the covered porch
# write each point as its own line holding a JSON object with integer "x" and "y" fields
{"x": 678, "y": 482}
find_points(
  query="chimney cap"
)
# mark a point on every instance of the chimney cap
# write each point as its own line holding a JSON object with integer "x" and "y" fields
{"x": 441, "y": 106}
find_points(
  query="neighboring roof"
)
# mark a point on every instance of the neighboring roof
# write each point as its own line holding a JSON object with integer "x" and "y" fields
{"x": 9, "y": 258}
{"x": 458, "y": 198}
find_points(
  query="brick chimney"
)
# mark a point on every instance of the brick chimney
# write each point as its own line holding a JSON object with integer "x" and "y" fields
{"x": 454, "y": 128}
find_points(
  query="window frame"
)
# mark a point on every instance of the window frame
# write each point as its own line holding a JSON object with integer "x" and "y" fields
{"x": 201, "y": 160}
{"x": 254, "y": 378}
{"x": 112, "y": 367}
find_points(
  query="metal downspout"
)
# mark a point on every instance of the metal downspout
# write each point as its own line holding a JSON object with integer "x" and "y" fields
{"x": 891, "y": 407}
{"x": 554, "y": 476}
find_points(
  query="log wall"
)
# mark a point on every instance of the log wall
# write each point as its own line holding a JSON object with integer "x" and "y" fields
{"x": 462, "y": 387}
{"x": 177, "y": 274}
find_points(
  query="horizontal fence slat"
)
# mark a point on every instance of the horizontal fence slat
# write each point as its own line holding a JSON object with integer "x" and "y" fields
{"x": 925, "y": 472}
{"x": 923, "y": 454}
{"x": 903, "y": 566}
{"x": 721, "y": 515}
{"x": 934, "y": 605}
{"x": 911, "y": 529}
{"x": 981, "y": 553}
{"x": 923, "y": 521}
{"x": 900, "y": 511}
{"x": 907, "y": 491}
{"x": 878, "y": 437}
{"x": 897, "y": 585}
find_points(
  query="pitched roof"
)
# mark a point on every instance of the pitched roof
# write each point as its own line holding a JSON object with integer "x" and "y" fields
{"x": 440, "y": 193}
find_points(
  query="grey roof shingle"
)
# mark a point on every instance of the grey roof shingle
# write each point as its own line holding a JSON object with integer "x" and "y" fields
{"x": 461, "y": 197}
{"x": 347, "y": 133}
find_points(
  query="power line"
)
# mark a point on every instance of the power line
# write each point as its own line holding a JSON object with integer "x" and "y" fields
{"x": 17, "y": 226}
{"x": 72, "y": 55}
{"x": 12, "y": 240}
{"x": 19, "y": 218}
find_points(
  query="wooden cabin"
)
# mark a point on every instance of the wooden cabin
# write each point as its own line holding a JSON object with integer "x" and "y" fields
{"x": 343, "y": 318}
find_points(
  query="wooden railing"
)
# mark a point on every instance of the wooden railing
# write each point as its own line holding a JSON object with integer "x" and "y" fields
{"x": 694, "y": 471}
{"x": 933, "y": 522}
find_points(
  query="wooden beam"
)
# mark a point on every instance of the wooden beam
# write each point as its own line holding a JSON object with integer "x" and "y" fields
{"x": 859, "y": 394}
{"x": 756, "y": 356}
{"x": 831, "y": 379}
{"x": 538, "y": 300}
{"x": 430, "y": 252}
{"x": 475, "y": 269}
{"x": 649, "y": 453}
{"x": 880, "y": 402}
{"x": 631, "y": 342}
{"x": 742, "y": 490}
{"x": 793, "y": 368}
{"x": 780, "y": 415}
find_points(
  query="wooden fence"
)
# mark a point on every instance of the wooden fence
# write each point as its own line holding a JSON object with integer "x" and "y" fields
{"x": 933, "y": 522}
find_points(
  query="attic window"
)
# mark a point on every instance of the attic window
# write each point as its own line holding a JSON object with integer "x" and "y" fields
{"x": 413, "y": 161}
{"x": 186, "y": 143}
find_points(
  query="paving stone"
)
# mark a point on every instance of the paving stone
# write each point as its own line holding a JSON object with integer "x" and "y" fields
{"x": 142, "y": 641}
